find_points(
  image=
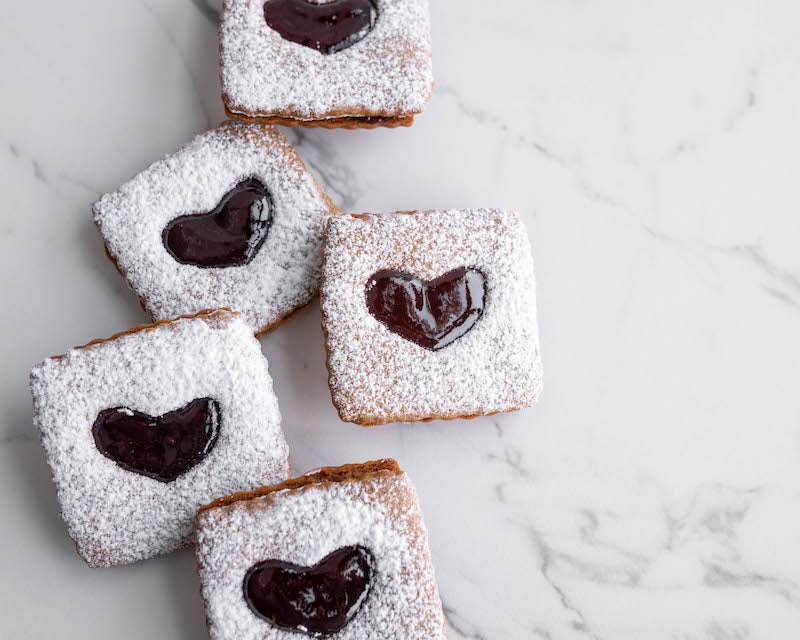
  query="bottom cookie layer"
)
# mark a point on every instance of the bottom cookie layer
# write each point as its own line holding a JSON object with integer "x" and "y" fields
{"x": 337, "y": 122}
{"x": 372, "y": 421}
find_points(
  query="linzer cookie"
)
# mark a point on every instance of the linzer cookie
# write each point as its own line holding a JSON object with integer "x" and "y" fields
{"x": 143, "y": 428}
{"x": 341, "y": 552}
{"x": 232, "y": 219}
{"x": 330, "y": 63}
{"x": 429, "y": 315}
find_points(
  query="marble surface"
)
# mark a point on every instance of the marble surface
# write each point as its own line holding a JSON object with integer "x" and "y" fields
{"x": 652, "y": 148}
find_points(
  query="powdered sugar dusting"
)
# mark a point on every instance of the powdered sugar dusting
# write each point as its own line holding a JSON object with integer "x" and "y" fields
{"x": 117, "y": 516}
{"x": 283, "y": 275}
{"x": 376, "y": 376}
{"x": 303, "y": 526}
{"x": 388, "y": 73}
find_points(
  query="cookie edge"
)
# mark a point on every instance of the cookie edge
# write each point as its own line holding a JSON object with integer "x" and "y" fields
{"x": 321, "y": 476}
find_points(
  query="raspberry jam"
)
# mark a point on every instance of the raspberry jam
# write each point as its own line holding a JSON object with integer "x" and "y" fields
{"x": 318, "y": 600}
{"x": 432, "y": 314}
{"x": 228, "y": 236}
{"x": 327, "y": 27}
{"x": 162, "y": 447}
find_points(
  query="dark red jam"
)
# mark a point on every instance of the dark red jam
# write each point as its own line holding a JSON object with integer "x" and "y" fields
{"x": 228, "y": 236}
{"x": 375, "y": 119}
{"x": 327, "y": 27}
{"x": 432, "y": 314}
{"x": 163, "y": 447}
{"x": 318, "y": 600}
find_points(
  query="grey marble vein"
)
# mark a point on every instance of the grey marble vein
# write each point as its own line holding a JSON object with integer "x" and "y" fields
{"x": 546, "y": 557}
{"x": 13, "y": 438}
{"x": 486, "y": 118}
{"x": 779, "y": 295}
{"x": 752, "y": 253}
{"x": 755, "y": 255}
{"x": 210, "y": 13}
{"x": 460, "y": 626}
{"x": 50, "y": 178}
{"x": 718, "y": 576}
{"x": 338, "y": 179}
{"x": 512, "y": 457}
{"x": 37, "y": 172}
{"x": 80, "y": 184}
{"x": 498, "y": 427}
{"x": 716, "y": 631}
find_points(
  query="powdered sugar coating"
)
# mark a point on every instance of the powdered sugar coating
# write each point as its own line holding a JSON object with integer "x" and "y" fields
{"x": 283, "y": 275}
{"x": 376, "y": 376}
{"x": 117, "y": 516}
{"x": 303, "y": 526}
{"x": 387, "y": 73}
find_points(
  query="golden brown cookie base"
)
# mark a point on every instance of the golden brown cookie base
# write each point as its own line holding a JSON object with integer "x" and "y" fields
{"x": 334, "y": 122}
{"x": 374, "y": 421}
{"x": 148, "y": 327}
{"x": 324, "y": 475}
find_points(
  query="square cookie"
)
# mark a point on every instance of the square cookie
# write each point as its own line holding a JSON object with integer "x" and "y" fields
{"x": 429, "y": 315}
{"x": 340, "y": 552}
{"x": 232, "y": 219}
{"x": 143, "y": 428}
{"x": 340, "y": 63}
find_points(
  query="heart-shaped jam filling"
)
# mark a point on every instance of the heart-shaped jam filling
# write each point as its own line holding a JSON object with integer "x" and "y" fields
{"x": 163, "y": 447}
{"x": 433, "y": 313}
{"x": 318, "y": 600}
{"x": 327, "y": 27}
{"x": 228, "y": 236}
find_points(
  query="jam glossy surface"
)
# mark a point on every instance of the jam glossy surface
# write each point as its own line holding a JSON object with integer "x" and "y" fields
{"x": 433, "y": 313}
{"x": 318, "y": 600}
{"x": 327, "y": 27}
{"x": 162, "y": 447}
{"x": 228, "y": 236}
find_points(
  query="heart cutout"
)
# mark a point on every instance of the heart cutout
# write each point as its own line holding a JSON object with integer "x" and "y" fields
{"x": 318, "y": 600}
{"x": 327, "y": 27}
{"x": 163, "y": 447}
{"x": 433, "y": 313}
{"x": 228, "y": 236}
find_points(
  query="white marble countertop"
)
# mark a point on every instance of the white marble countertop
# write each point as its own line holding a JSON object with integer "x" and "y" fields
{"x": 652, "y": 148}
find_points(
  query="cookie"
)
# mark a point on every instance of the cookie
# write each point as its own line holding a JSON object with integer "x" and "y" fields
{"x": 340, "y": 552}
{"x": 429, "y": 315}
{"x": 334, "y": 64}
{"x": 144, "y": 427}
{"x": 232, "y": 219}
